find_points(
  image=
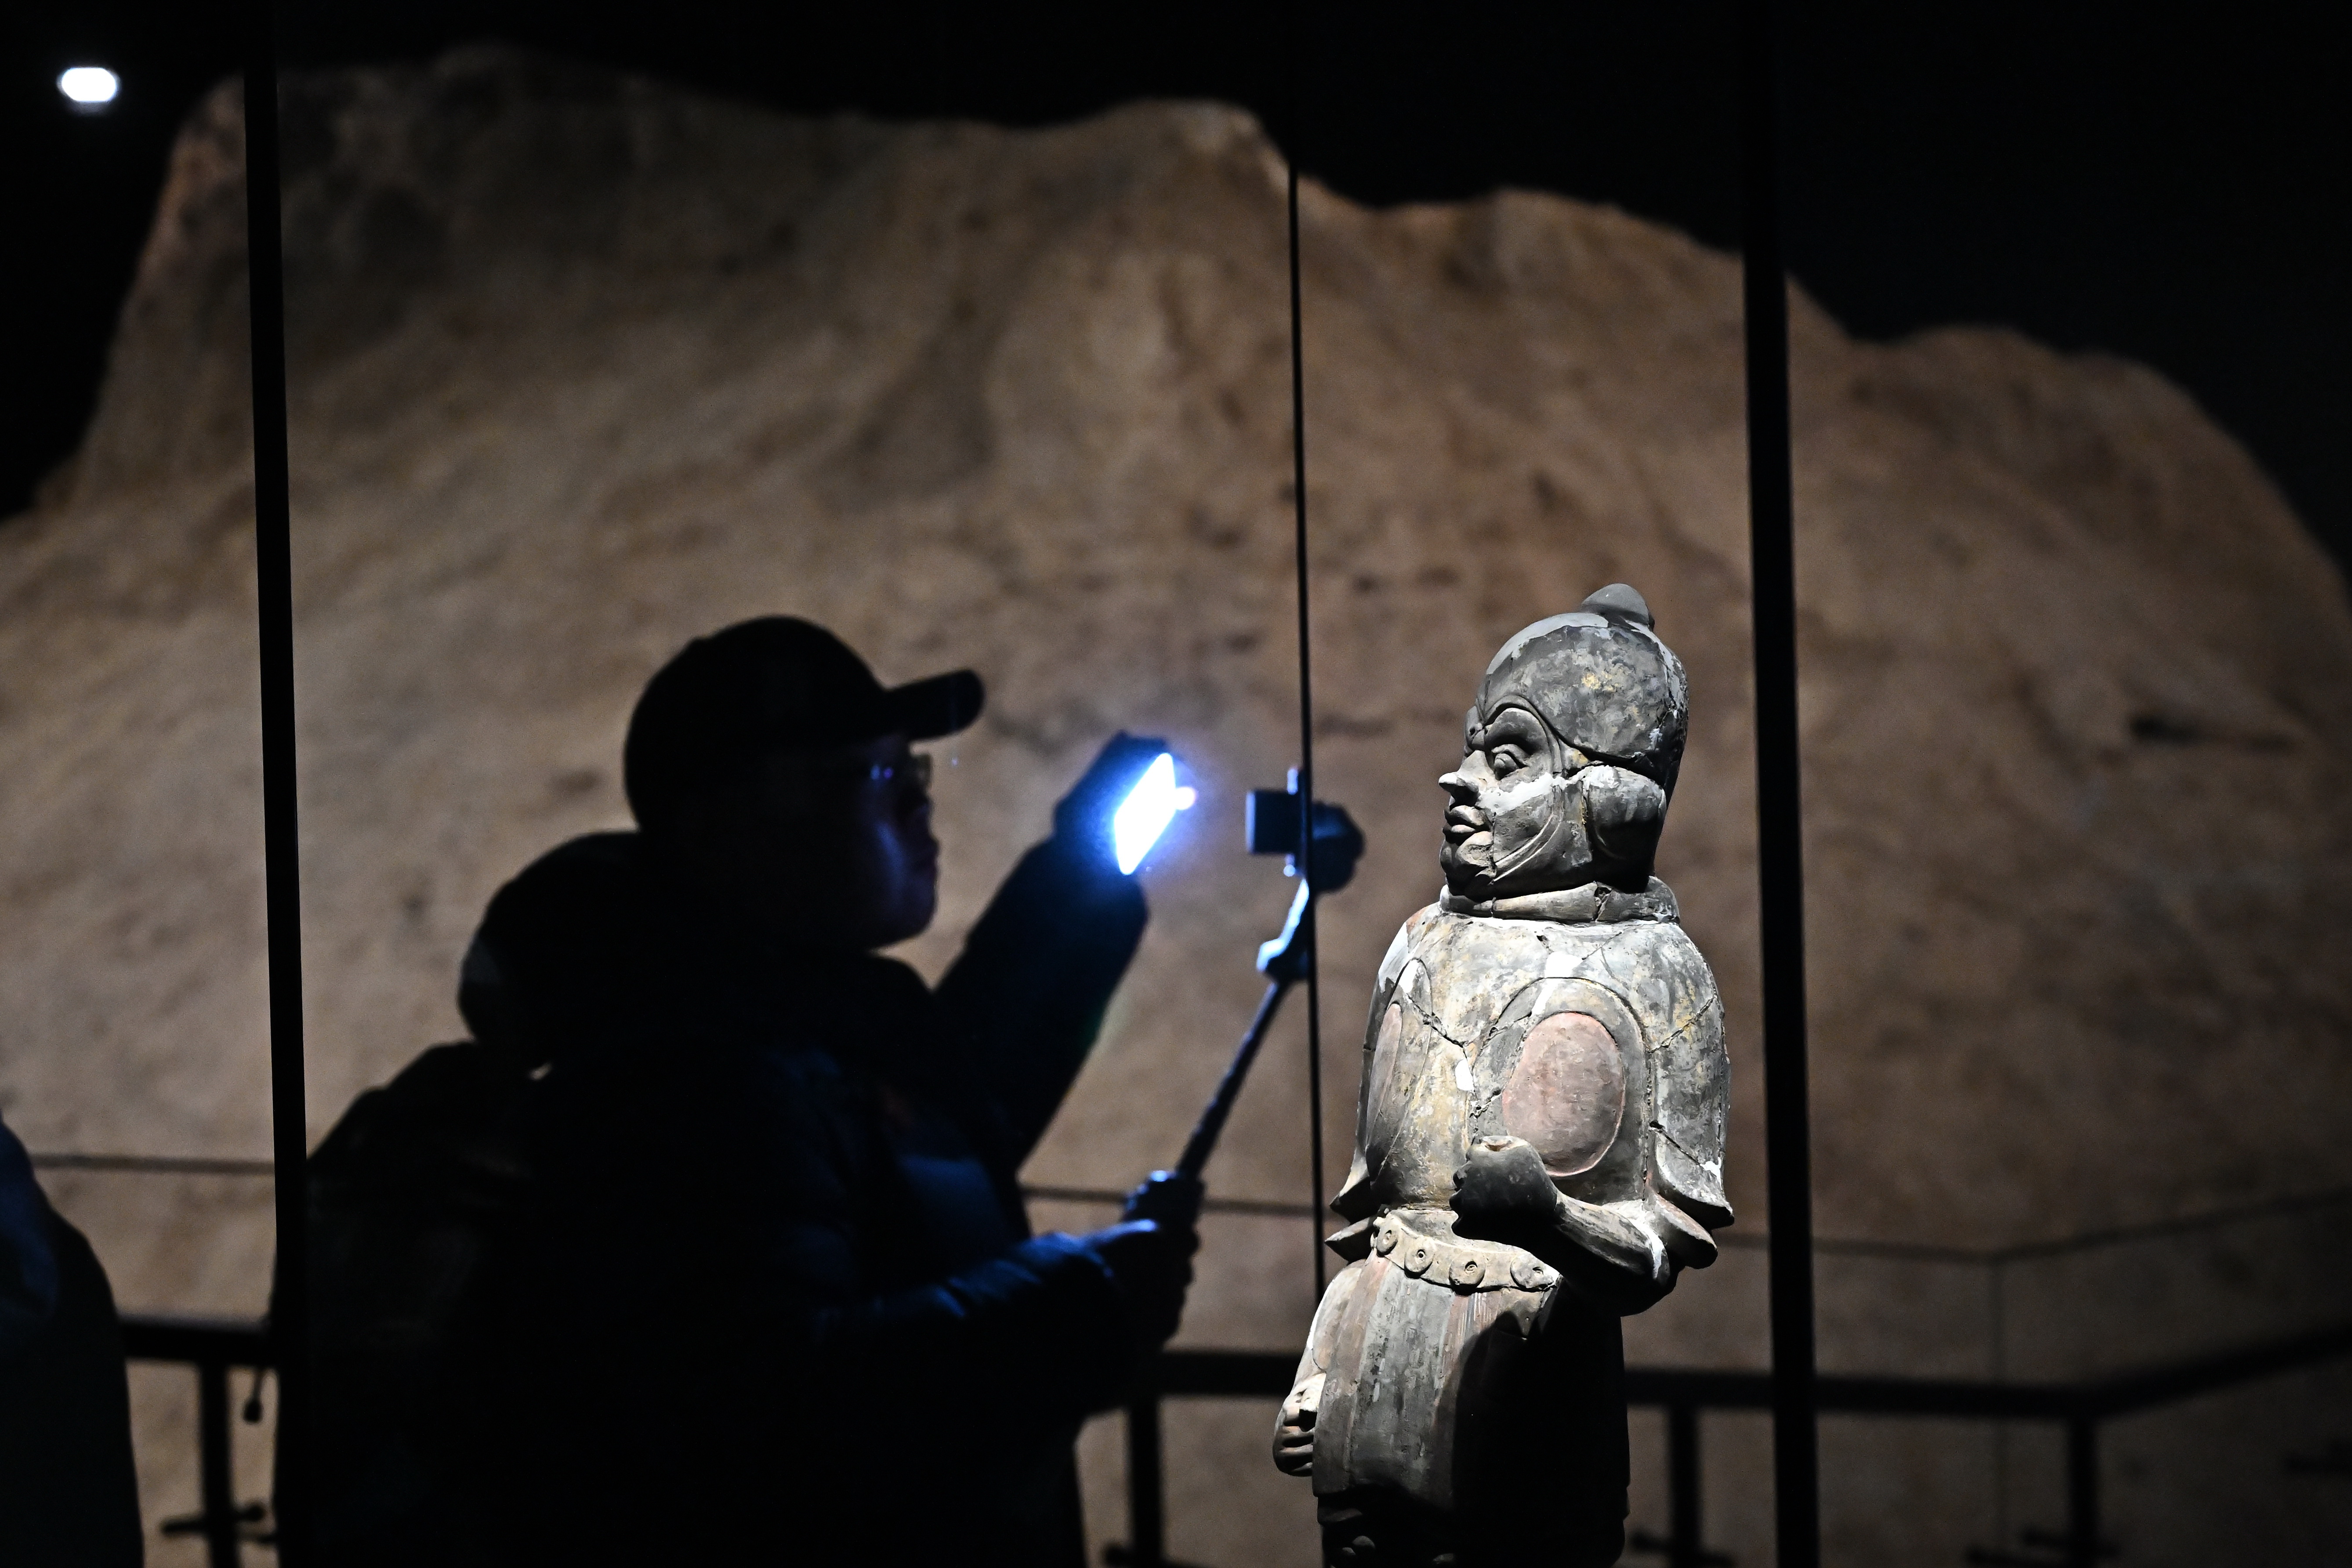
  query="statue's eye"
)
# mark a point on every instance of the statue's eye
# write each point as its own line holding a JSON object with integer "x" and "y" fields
{"x": 1505, "y": 760}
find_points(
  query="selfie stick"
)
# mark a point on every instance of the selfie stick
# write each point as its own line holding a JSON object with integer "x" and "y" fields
{"x": 1174, "y": 1195}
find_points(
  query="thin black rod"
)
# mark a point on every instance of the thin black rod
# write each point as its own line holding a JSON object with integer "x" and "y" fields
{"x": 2083, "y": 1549}
{"x": 155, "y": 1165}
{"x": 1997, "y": 1319}
{"x": 1147, "y": 1501}
{"x": 1778, "y": 822}
{"x": 215, "y": 1478}
{"x": 289, "y": 1315}
{"x": 1305, "y": 748}
{"x": 1685, "y": 1535}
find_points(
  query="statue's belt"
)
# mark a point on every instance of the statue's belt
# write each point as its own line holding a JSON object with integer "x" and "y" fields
{"x": 1594, "y": 903}
{"x": 1429, "y": 1252}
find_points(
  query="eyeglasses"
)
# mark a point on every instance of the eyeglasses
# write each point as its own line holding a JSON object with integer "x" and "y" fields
{"x": 915, "y": 769}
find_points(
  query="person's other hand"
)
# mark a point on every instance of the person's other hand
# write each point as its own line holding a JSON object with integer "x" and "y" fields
{"x": 1082, "y": 819}
{"x": 1503, "y": 1192}
{"x": 1294, "y": 1433}
{"x": 1152, "y": 1261}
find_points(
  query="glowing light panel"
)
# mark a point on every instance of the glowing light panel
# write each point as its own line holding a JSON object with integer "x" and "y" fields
{"x": 1146, "y": 811}
{"x": 92, "y": 85}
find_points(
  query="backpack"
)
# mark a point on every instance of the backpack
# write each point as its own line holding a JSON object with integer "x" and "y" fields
{"x": 411, "y": 1199}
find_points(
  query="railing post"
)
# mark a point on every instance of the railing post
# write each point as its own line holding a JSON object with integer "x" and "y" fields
{"x": 1147, "y": 1544}
{"x": 1685, "y": 1542}
{"x": 2081, "y": 1491}
{"x": 216, "y": 1484}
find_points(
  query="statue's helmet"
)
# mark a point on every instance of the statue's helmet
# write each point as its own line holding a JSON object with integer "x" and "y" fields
{"x": 1601, "y": 681}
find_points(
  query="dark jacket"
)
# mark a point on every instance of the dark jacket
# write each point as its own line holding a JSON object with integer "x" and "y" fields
{"x": 777, "y": 1302}
{"x": 69, "y": 1491}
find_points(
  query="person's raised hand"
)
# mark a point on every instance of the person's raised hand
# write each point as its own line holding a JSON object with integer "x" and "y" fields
{"x": 1082, "y": 817}
{"x": 1151, "y": 1263}
{"x": 1502, "y": 1192}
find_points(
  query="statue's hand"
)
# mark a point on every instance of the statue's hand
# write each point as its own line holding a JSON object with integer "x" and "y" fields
{"x": 1502, "y": 1193}
{"x": 1293, "y": 1434}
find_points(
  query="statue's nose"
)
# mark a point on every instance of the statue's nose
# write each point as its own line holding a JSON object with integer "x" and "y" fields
{"x": 1456, "y": 785}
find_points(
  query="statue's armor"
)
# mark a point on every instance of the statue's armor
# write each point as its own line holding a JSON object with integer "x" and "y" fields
{"x": 1467, "y": 1375}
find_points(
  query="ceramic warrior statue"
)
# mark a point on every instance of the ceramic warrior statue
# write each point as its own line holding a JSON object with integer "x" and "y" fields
{"x": 1540, "y": 1139}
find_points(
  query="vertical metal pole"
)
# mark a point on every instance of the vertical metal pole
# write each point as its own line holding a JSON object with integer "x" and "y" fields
{"x": 2081, "y": 1492}
{"x": 1997, "y": 1287}
{"x": 1780, "y": 825}
{"x": 1686, "y": 1538}
{"x": 215, "y": 1486}
{"x": 1147, "y": 1531}
{"x": 282, "y": 888}
{"x": 1306, "y": 752}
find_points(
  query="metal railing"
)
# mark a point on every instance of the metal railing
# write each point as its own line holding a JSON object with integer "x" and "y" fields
{"x": 213, "y": 1346}
{"x": 2078, "y": 1406}
{"x": 1685, "y": 1394}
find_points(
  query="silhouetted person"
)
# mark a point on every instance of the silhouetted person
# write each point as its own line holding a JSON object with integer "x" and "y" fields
{"x": 419, "y": 1194}
{"x": 776, "y": 1301}
{"x": 69, "y": 1491}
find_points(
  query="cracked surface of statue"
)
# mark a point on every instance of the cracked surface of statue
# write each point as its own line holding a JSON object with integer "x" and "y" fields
{"x": 1539, "y": 1136}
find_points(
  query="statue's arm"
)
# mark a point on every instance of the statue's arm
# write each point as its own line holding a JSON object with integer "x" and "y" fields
{"x": 1615, "y": 1254}
{"x": 1294, "y": 1428}
{"x": 1355, "y": 1200}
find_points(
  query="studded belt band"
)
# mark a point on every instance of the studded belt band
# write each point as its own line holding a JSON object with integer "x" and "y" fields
{"x": 1428, "y": 1253}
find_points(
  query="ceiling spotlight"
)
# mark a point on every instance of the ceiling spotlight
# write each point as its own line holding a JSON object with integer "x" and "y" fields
{"x": 88, "y": 88}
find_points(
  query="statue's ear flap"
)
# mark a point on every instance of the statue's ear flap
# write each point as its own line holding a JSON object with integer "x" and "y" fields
{"x": 1624, "y": 812}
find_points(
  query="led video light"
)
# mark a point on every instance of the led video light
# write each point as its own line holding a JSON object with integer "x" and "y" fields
{"x": 1146, "y": 811}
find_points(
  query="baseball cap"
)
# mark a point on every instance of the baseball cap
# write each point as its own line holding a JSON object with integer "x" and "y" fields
{"x": 776, "y": 680}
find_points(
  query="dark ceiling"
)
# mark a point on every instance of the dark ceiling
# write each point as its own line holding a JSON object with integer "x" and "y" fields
{"x": 2160, "y": 182}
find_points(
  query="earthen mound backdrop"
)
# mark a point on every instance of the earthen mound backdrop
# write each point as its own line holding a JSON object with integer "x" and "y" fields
{"x": 583, "y": 366}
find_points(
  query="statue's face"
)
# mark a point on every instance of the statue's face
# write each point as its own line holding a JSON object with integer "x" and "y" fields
{"x": 1513, "y": 824}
